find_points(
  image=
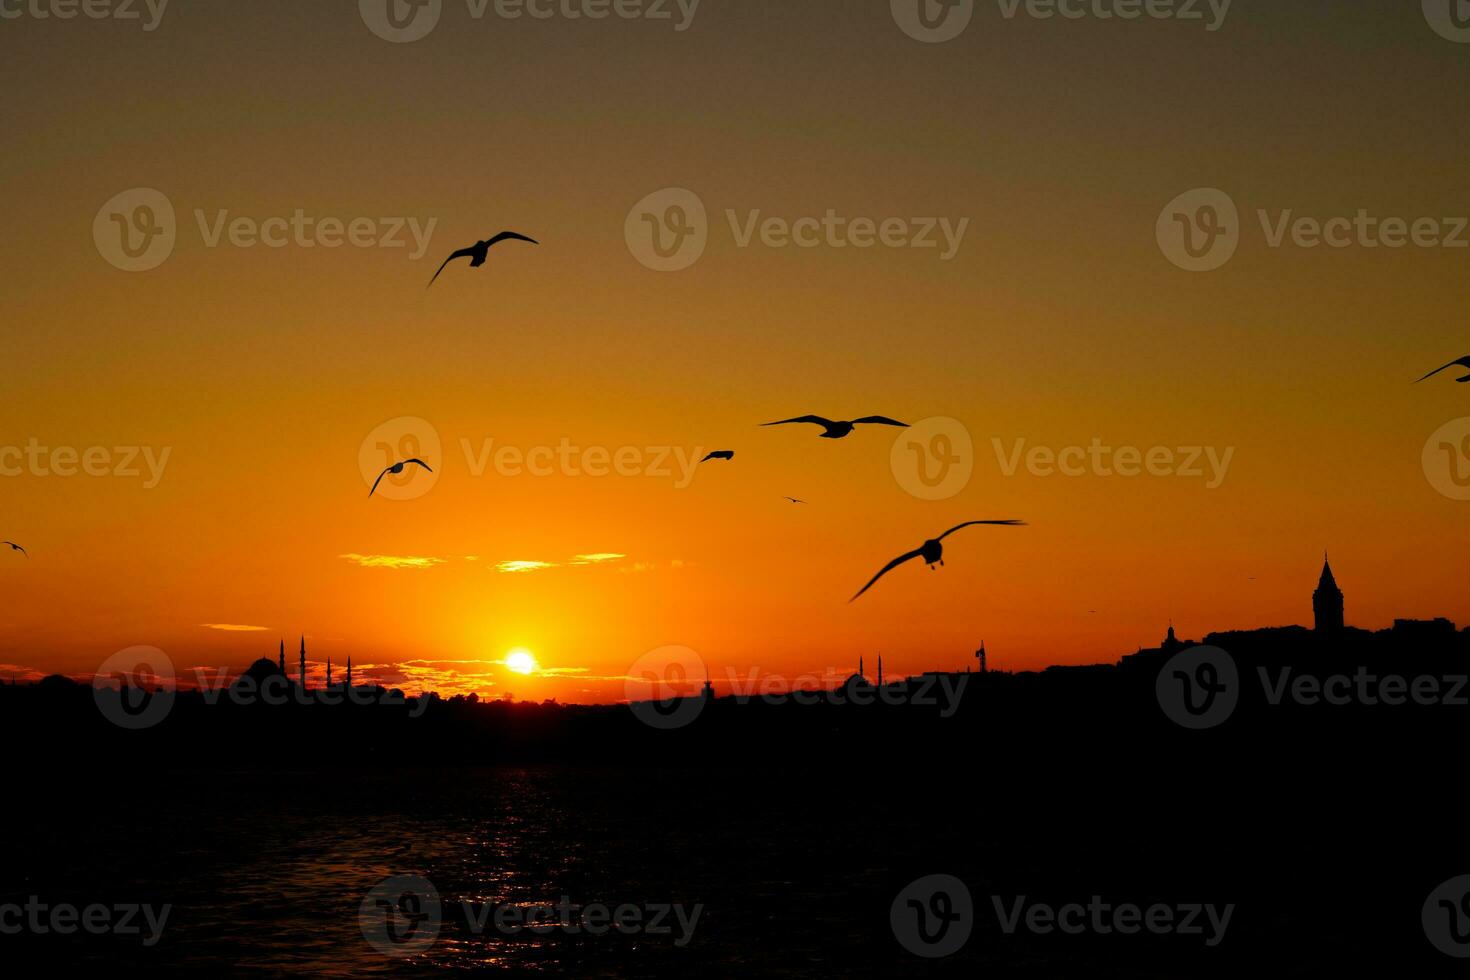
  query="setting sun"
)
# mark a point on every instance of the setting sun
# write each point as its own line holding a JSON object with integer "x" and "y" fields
{"x": 521, "y": 661}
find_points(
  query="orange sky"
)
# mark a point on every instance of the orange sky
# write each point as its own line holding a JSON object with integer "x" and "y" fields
{"x": 262, "y": 370}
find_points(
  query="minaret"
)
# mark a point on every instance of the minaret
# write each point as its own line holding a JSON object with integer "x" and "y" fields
{"x": 329, "y": 671}
{"x": 980, "y": 656}
{"x": 302, "y": 667}
{"x": 1327, "y": 601}
{"x": 282, "y": 660}
{"x": 349, "y": 672}
{"x": 709, "y": 689}
{"x": 860, "y": 668}
{"x": 880, "y": 670}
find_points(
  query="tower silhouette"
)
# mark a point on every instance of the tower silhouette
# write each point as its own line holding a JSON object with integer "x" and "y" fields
{"x": 349, "y": 672}
{"x": 301, "y": 669}
{"x": 1327, "y": 601}
{"x": 281, "y": 661}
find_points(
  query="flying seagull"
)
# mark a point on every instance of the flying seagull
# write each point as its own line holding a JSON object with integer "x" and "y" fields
{"x": 395, "y": 469}
{"x": 1462, "y": 362}
{"x": 795, "y": 500}
{"x": 720, "y": 454}
{"x": 836, "y": 430}
{"x": 932, "y": 551}
{"x": 478, "y": 252}
{"x": 16, "y": 547}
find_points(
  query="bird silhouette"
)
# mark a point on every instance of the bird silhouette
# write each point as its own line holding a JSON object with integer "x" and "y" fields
{"x": 1463, "y": 362}
{"x": 838, "y": 430}
{"x": 932, "y": 551}
{"x": 395, "y": 469}
{"x": 16, "y": 547}
{"x": 478, "y": 252}
{"x": 794, "y": 500}
{"x": 719, "y": 454}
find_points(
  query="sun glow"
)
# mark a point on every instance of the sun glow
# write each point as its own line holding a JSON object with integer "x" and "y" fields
{"x": 521, "y": 661}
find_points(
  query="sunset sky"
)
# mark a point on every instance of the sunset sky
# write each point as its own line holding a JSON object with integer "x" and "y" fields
{"x": 262, "y": 371}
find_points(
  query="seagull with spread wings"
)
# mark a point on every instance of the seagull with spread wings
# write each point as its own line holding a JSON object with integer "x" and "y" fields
{"x": 932, "y": 551}
{"x": 16, "y": 547}
{"x": 395, "y": 469}
{"x": 837, "y": 430}
{"x": 478, "y": 252}
{"x": 725, "y": 454}
{"x": 1463, "y": 362}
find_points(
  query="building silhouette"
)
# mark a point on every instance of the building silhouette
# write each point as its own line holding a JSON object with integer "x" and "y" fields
{"x": 255, "y": 676}
{"x": 1327, "y": 602}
